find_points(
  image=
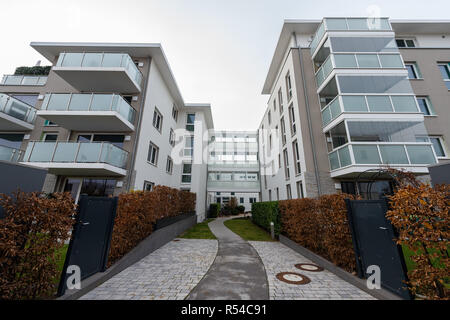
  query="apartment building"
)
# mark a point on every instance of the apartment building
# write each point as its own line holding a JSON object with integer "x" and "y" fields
{"x": 233, "y": 168}
{"x": 108, "y": 118}
{"x": 350, "y": 97}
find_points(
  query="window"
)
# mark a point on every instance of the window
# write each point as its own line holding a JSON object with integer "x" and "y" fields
{"x": 157, "y": 119}
{"x": 278, "y": 193}
{"x": 48, "y": 123}
{"x": 270, "y": 195}
{"x": 292, "y": 119}
{"x": 438, "y": 146}
{"x": 172, "y": 137}
{"x": 30, "y": 99}
{"x": 279, "y": 160}
{"x": 445, "y": 72}
{"x": 296, "y": 157}
{"x": 283, "y": 131}
{"x": 115, "y": 139}
{"x": 425, "y": 105}
{"x": 269, "y": 116}
{"x": 241, "y": 200}
{"x": 148, "y": 186}
{"x": 252, "y": 200}
{"x": 286, "y": 164}
{"x": 169, "y": 165}
{"x": 11, "y": 140}
{"x": 46, "y": 136}
{"x": 288, "y": 87}
{"x": 405, "y": 43}
{"x": 274, "y": 105}
{"x": 288, "y": 192}
{"x": 280, "y": 100}
{"x": 270, "y": 141}
{"x": 174, "y": 112}
{"x": 300, "y": 194}
{"x": 187, "y": 173}
{"x": 153, "y": 152}
{"x": 188, "y": 146}
{"x": 190, "y": 120}
{"x": 413, "y": 70}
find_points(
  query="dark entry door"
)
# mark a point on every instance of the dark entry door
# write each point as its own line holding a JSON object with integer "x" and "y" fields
{"x": 91, "y": 237}
{"x": 373, "y": 239}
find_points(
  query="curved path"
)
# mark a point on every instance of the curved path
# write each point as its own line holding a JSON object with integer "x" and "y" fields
{"x": 237, "y": 272}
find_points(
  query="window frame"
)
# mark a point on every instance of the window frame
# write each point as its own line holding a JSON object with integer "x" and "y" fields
{"x": 152, "y": 147}
{"x": 427, "y": 105}
{"x": 157, "y": 113}
{"x": 289, "y": 92}
{"x": 169, "y": 165}
{"x": 415, "y": 69}
{"x": 148, "y": 183}
{"x": 292, "y": 119}
{"x": 440, "y": 139}
{"x": 297, "y": 162}
{"x": 186, "y": 174}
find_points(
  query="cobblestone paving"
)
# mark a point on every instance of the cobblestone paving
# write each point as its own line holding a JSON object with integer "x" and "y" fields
{"x": 168, "y": 273}
{"x": 323, "y": 286}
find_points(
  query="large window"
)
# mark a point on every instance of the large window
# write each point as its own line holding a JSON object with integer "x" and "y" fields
{"x": 298, "y": 169}
{"x": 283, "y": 131}
{"x": 288, "y": 87}
{"x": 280, "y": 100}
{"x": 413, "y": 70}
{"x": 374, "y": 84}
{"x": 153, "y": 152}
{"x": 288, "y": 192}
{"x": 186, "y": 177}
{"x": 438, "y": 146}
{"x": 11, "y": 140}
{"x": 190, "y": 121}
{"x": 115, "y": 139}
{"x": 98, "y": 187}
{"x": 292, "y": 119}
{"x": 385, "y": 131}
{"x": 188, "y": 146}
{"x": 286, "y": 164}
{"x": 300, "y": 193}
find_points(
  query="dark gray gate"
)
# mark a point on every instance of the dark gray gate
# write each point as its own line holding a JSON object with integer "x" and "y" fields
{"x": 373, "y": 240}
{"x": 89, "y": 246}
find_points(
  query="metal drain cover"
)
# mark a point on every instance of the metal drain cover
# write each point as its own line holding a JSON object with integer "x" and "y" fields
{"x": 309, "y": 267}
{"x": 293, "y": 278}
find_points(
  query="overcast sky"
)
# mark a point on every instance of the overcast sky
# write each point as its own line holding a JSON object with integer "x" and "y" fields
{"x": 219, "y": 51}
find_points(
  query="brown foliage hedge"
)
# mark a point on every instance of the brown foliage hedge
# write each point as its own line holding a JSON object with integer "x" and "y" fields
{"x": 34, "y": 228}
{"x": 137, "y": 213}
{"x": 321, "y": 225}
{"x": 420, "y": 215}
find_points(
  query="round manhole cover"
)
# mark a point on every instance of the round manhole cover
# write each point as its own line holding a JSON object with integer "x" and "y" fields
{"x": 309, "y": 267}
{"x": 293, "y": 278}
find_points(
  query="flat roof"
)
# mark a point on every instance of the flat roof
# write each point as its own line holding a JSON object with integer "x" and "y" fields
{"x": 301, "y": 26}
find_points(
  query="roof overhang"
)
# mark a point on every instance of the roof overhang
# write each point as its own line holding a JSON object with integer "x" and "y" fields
{"x": 51, "y": 51}
{"x": 310, "y": 26}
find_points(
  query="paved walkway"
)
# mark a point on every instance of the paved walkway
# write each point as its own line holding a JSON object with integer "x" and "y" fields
{"x": 237, "y": 272}
{"x": 324, "y": 285}
{"x": 168, "y": 273}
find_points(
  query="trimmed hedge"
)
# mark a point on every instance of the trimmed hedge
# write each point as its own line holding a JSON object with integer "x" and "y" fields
{"x": 263, "y": 213}
{"x": 214, "y": 210}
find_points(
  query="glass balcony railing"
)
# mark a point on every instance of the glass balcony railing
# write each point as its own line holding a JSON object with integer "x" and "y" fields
{"x": 17, "y": 109}
{"x": 100, "y": 59}
{"x": 76, "y": 152}
{"x": 233, "y": 165}
{"x": 234, "y": 184}
{"x": 15, "y": 80}
{"x": 348, "y": 24}
{"x": 358, "y": 61}
{"x": 10, "y": 154}
{"x": 89, "y": 102}
{"x": 376, "y": 154}
{"x": 369, "y": 104}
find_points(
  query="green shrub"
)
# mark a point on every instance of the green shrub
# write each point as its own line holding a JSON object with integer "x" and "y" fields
{"x": 35, "y": 71}
{"x": 263, "y": 213}
{"x": 241, "y": 209}
{"x": 214, "y": 210}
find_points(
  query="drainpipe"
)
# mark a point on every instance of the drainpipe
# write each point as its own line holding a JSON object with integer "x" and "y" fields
{"x": 308, "y": 114}
{"x": 138, "y": 127}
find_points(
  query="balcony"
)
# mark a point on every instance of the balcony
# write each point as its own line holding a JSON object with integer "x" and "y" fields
{"x": 348, "y": 24}
{"x": 15, "y": 80}
{"x": 15, "y": 115}
{"x": 89, "y": 112}
{"x": 10, "y": 154}
{"x": 99, "y": 72}
{"x": 357, "y": 61}
{"x": 77, "y": 159}
{"x": 353, "y": 159}
{"x": 394, "y": 105}
{"x": 233, "y": 186}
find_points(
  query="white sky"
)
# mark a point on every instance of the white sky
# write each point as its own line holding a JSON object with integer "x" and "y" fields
{"x": 219, "y": 51}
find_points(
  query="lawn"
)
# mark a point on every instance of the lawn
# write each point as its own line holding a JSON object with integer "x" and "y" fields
{"x": 199, "y": 231}
{"x": 247, "y": 230}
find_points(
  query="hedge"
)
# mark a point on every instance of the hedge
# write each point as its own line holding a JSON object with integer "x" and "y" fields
{"x": 214, "y": 210}
{"x": 137, "y": 212}
{"x": 33, "y": 230}
{"x": 263, "y": 213}
{"x": 35, "y": 71}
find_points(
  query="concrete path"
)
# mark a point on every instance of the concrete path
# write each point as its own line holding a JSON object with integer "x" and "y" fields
{"x": 237, "y": 272}
{"x": 168, "y": 273}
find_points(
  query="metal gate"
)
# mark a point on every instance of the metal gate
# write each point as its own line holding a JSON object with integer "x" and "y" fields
{"x": 373, "y": 241}
{"x": 89, "y": 245}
